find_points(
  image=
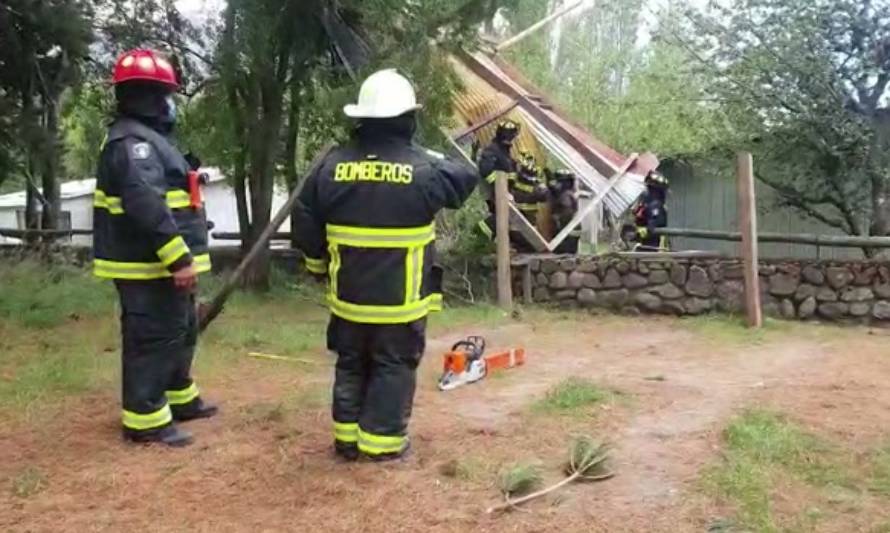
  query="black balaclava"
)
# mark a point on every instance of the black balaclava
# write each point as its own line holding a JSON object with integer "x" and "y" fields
{"x": 402, "y": 127}
{"x": 151, "y": 103}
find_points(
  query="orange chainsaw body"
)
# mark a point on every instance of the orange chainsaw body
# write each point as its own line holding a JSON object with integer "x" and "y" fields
{"x": 457, "y": 361}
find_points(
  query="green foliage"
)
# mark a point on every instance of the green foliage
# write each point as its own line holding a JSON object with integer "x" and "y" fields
{"x": 881, "y": 472}
{"x": 37, "y": 295}
{"x": 28, "y": 482}
{"x": 51, "y": 373}
{"x": 804, "y": 87}
{"x": 761, "y": 447}
{"x": 587, "y": 459}
{"x": 85, "y": 115}
{"x": 635, "y": 98}
{"x": 573, "y": 395}
{"x": 519, "y": 479}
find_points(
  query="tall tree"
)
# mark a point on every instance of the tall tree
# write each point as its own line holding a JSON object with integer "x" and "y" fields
{"x": 43, "y": 47}
{"x": 804, "y": 85}
{"x": 634, "y": 94}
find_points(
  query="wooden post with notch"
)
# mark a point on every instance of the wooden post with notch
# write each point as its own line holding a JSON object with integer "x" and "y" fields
{"x": 748, "y": 228}
{"x": 502, "y": 228}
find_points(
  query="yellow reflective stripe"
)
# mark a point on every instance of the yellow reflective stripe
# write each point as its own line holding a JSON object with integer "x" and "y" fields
{"x": 524, "y": 187}
{"x": 527, "y": 207}
{"x": 178, "y": 199}
{"x": 334, "y": 268}
{"x": 104, "y": 268}
{"x": 413, "y": 273}
{"x": 127, "y": 270}
{"x": 184, "y": 396}
{"x": 383, "y": 314}
{"x": 173, "y": 251}
{"x": 372, "y": 444}
{"x": 111, "y": 203}
{"x": 316, "y": 266}
{"x": 362, "y": 237}
{"x": 418, "y": 271}
{"x": 175, "y": 199}
{"x": 202, "y": 264}
{"x": 436, "y": 302}
{"x": 346, "y": 432}
{"x": 139, "y": 422}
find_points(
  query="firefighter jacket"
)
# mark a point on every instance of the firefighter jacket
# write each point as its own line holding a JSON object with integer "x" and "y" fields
{"x": 144, "y": 223}
{"x": 564, "y": 208}
{"x": 651, "y": 213}
{"x": 366, "y": 217}
{"x": 527, "y": 190}
{"x": 495, "y": 158}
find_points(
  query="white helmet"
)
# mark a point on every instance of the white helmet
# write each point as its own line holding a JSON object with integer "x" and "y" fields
{"x": 385, "y": 94}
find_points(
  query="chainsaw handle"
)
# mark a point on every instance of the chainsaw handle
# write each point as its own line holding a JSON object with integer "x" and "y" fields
{"x": 475, "y": 344}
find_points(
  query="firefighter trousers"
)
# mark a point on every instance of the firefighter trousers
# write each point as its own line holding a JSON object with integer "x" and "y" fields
{"x": 374, "y": 383}
{"x": 159, "y": 333}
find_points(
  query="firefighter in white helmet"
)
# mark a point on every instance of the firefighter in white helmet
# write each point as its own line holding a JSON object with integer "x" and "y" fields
{"x": 366, "y": 218}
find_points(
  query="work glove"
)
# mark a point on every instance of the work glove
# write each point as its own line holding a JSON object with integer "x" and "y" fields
{"x": 642, "y": 232}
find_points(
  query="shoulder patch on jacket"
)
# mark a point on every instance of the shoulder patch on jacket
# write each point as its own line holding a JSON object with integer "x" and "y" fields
{"x": 433, "y": 153}
{"x": 141, "y": 150}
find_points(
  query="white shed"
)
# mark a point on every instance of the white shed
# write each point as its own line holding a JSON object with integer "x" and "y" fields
{"x": 77, "y": 208}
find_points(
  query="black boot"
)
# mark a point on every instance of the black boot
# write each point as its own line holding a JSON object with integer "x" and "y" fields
{"x": 193, "y": 410}
{"x": 169, "y": 435}
{"x": 346, "y": 452}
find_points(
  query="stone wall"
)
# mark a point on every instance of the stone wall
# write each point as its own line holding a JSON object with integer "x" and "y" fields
{"x": 838, "y": 291}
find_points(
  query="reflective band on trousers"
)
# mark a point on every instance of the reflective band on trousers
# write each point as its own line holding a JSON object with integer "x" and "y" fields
{"x": 360, "y": 237}
{"x": 372, "y": 444}
{"x": 139, "y": 422}
{"x": 175, "y": 199}
{"x": 385, "y": 314}
{"x": 184, "y": 396}
{"x": 346, "y": 432}
{"x": 527, "y": 207}
{"x": 173, "y": 251}
{"x": 316, "y": 266}
{"x": 104, "y": 268}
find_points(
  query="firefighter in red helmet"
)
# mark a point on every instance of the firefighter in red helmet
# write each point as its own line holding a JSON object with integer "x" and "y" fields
{"x": 150, "y": 238}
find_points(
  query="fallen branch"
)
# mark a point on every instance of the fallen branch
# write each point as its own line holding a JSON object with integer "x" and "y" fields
{"x": 586, "y": 463}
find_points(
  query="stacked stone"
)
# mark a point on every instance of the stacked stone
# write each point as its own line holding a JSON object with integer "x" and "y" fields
{"x": 791, "y": 289}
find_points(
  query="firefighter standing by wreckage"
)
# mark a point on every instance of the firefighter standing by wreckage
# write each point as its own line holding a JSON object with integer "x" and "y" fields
{"x": 651, "y": 213}
{"x": 366, "y": 218}
{"x": 527, "y": 189}
{"x": 564, "y": 207}
{"x": 150, "y": 237}
{"x": 497, "y": 157}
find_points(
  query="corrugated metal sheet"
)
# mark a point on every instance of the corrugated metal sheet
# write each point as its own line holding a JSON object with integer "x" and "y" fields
{"x": 479, "y": 100}
{"x": 619, "y": 199}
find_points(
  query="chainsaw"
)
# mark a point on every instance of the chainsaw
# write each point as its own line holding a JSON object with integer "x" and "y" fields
{"x": 466, "y": 363}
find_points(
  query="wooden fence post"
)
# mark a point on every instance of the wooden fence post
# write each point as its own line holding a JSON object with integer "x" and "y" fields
{"x": 748, "y": 228}
{"x": 502, "y": 228}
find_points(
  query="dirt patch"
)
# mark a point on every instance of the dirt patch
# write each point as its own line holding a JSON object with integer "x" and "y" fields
{"x": 264, "y": 465}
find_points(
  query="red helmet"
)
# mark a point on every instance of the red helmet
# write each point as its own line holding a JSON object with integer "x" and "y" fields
{"x": 145, "y": 65}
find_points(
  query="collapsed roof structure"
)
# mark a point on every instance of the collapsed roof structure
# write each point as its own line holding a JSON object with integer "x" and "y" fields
{"x": 494, "y": 89}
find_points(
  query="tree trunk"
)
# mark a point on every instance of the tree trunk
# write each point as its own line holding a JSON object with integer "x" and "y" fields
{"x": 52, "y": 206}
{"x": 290, "y": 151}
{"x": 880, "y": 162}
{"x": 262, "y": 179}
